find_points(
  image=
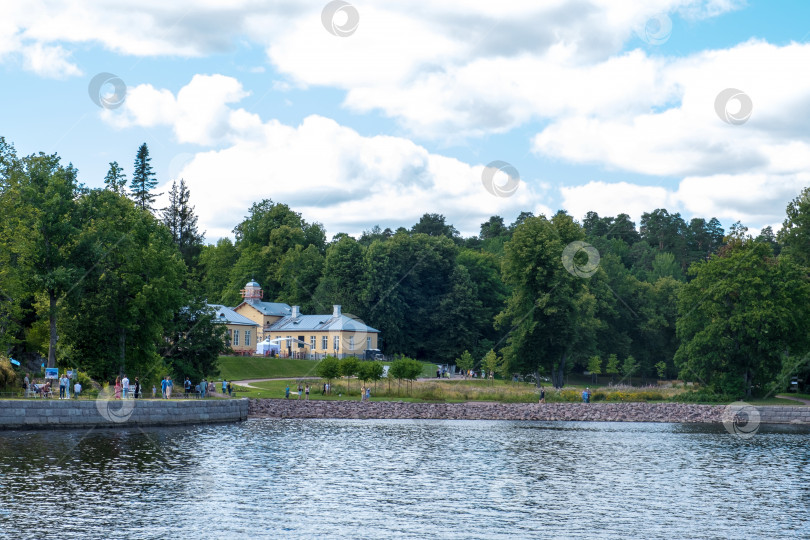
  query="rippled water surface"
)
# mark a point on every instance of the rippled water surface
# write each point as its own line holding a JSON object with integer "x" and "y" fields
{"x": 406, "y": 479}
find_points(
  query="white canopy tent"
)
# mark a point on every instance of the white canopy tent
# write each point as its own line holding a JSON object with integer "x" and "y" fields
{"x": 266, "y": 347}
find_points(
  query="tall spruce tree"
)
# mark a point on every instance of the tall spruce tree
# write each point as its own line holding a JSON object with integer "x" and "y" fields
{"x": 181, "y": 220}
{"x": 143, "y": 180}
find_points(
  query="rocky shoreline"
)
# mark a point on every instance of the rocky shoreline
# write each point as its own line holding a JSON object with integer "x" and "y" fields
{"x": 585, "y": 412}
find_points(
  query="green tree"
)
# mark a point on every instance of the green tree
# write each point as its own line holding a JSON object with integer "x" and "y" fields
{"x": 328, "y": 368}
{"x": 215, "y": 264}
{"x": 741, "y": 313}
{"x": 612, "y": 367}
{"x": 193, "y": 341}
{"x": 661, "y": 369}
{"x": 181, "y": 220}
{"x": 465, "y": 362}
{"x": 143, "y": 180}
{"x": 348, "y": 368}
{"x": 629, "y": 368}
{"x": 491, "y": 363}
{"x": 40, "y": 203}
{"x": 116, "y": 180}
{"x": 298, "y": 275}
{"x": 795, "y": 232}
{"x": 370, "y": 371}
{"x": 550, "y": 315}
{"x": 119, "y": 315}
{"x": 595, "y": 368}
{"x": 341, "y": 282}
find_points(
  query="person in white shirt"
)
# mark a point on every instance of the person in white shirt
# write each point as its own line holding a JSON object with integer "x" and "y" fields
{"x": 125, "y": 385}
{"x": 77, "y": 388}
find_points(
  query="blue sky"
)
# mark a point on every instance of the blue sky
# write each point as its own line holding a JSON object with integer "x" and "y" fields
{"x": 247, "y": 101}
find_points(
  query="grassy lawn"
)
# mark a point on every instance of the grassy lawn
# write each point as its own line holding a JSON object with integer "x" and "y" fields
{"x": 236, "y": 368}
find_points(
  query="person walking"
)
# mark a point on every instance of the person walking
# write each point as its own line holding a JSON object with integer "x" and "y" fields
{"x": 300, "y": 390}
{"x": 169, "y": 387}
{"x": 224, "y": 385}
{"x": 187, "y": 386}
{"x": 137, "y": 388}
{"x": 62, "y": 383}
{"x": 230, "y": 389}
{"x": 586, "y": 395}
{"x": 164, "y": 384}
{"x": 287, "y": 392}
{"x": 542, "y": 395}
{"x": 154, "y": 391}
{"x": 125, "y": 386}
{"x": 363, "y": 393}
{"x": 118, "y": 387}
{"x": 307, "y": 393}
{"x": 368, "y": 393}
{"x": 203, "y": 387}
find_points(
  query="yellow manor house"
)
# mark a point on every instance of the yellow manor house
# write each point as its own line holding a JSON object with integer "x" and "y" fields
{"x": 273, "y": 328}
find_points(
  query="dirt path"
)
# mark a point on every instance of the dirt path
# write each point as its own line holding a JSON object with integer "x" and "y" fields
{"x": 247, "y": 382}
{"x": 805, "y": 401}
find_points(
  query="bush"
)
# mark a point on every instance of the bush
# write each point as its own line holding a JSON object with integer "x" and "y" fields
{"x": 8, "y": 377}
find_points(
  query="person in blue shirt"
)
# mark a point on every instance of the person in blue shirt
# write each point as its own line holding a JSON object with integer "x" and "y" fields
{"x": 586, "y": 395}
{"x": 224, "y": 386}
{"x": 164, "y": 384}
{"x": 287, "y": 392}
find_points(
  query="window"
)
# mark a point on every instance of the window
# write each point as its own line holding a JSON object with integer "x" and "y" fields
{"x": 236, "y": 338}
{"x": 312, "y": 343}
{"x": 351, "y": 343}
{"x": 324, "y": 343}
{"x": 336, "y": 343}
{"x": 368, "y": 343}
{"x": 247, "y": 338}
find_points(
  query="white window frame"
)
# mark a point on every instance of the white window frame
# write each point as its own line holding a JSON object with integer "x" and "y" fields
{"x": 368, "y": 342}
{"x": 336, "y": 343}
{"x": 236, "y": 338}
{"x": 247, "y": 338}
{"x": 325, "y": 343}
{"x": 312, "y": 342}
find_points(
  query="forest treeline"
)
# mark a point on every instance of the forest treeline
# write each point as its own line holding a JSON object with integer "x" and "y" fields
{"x": 124, "y": 285}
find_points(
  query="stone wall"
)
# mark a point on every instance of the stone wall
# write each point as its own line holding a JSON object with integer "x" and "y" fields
{"x": 591, "y": 412}
{"x": 58, "y": 414}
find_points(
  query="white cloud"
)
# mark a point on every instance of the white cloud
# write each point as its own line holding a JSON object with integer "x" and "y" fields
{"x": 199, "y": 114}
{"x": 49, "y": 61}
{"x": 328, "y": 172}
{"x": 688, "y": 138}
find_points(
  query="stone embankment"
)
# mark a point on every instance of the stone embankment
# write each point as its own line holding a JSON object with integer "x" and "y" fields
{"x": 586, "y": 412}
{"x": 59, "y": 414}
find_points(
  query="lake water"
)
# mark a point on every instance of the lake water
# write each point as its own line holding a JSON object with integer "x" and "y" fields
{"x": 406, "y": 479}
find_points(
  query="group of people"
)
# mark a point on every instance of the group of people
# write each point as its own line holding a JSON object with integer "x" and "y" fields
{"x": 365, "y": 393}
{"x": 122, "y": 388}
{"x": 43, "y": 390}
{"x": 301, "y": 390}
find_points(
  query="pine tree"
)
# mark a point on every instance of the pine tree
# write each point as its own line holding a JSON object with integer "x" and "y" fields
{"x": 143, "y": 180}
{"x": 181, "y": 220}
{"x": 116, "y": 180}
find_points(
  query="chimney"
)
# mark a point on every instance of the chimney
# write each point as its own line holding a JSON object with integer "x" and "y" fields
{"x": 336, "y": 310}
{"x": 295, "y": 310}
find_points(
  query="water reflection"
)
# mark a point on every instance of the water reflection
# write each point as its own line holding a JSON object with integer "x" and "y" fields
{"x": 412, "y": 479}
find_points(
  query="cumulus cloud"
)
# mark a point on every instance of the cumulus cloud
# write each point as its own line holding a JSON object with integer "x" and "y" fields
{"x": 329, "y": 172}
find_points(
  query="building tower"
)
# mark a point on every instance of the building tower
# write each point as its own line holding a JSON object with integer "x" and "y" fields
{"x": 252, "y": 292}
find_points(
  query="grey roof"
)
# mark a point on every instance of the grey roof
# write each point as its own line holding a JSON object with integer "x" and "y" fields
{"x": 252, "y": 284}
{"x": 231, "y": 317}
{"x": 271, "y": 308}
{"x": 321, "y": 322}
